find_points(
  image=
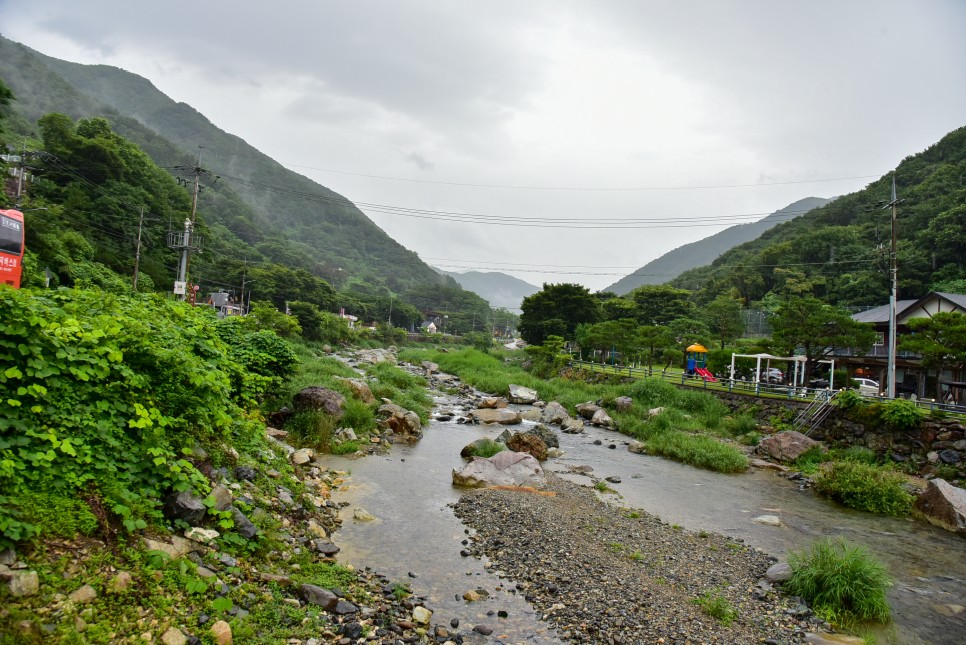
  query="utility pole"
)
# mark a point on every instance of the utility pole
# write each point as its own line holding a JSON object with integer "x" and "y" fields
{"x": 137, "y": 253}
{"x": 894, "y": 271}
{"x": 186, "y": 241}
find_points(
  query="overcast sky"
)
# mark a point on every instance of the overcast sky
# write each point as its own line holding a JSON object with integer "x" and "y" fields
{"x": 611, "y": 111}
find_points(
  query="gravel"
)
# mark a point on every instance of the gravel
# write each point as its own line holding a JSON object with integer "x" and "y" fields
{"x": 602, "y": 574}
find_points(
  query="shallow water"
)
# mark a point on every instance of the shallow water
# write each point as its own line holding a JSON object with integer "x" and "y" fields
{"x": 415, "y": 531}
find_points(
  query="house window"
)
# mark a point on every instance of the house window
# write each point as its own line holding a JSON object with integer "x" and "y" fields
{"x": 880, "y": 338}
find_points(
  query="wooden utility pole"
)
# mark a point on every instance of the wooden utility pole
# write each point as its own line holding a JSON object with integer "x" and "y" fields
{"x": 893, "y": 298}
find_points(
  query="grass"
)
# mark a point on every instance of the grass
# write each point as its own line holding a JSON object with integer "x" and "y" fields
{"x": 717, "y": 606}
{"x": 841, "y": 581}
{"x": 878, "y": 489}
{"x": 486, "y": 447}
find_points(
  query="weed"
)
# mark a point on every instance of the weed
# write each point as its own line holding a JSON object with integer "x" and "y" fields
{"x": 842, "y": 581}
{"x": 486, "y": 448}
{"x": 717, "y": 606}
{"x": 633, "y": 515}
{"x": 879, "y": 489}
{"x": 637, "y": 556}
{"x": 616, "y": 547}
{"x": 602, "y": 487}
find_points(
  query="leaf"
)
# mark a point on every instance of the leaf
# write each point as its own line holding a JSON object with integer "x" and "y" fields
{"x": 222, "y": 604}
{"x": 13, "y": 372}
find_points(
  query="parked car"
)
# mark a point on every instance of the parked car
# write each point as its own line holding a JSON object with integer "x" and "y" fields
{"x": 867, "y": 386}
{"x": 818, "y": 383}
{"x": 772, "y": 375}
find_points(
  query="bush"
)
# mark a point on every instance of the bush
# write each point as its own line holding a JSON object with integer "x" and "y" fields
{"x": 698, "y": 450}
{"x": 312, "y": 429}
{"x": 902, "y": 415}
{"x": 842, "y": 582}
{"x": 849, "y": 400}
{"x": 878, "y": 489}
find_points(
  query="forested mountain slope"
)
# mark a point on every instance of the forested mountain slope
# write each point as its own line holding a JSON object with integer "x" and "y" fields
{"x": 283, "y": 216}
{"x": 499, "y": 289}
{"x": 840, "y": 251}
{"x": 696, "y": 254}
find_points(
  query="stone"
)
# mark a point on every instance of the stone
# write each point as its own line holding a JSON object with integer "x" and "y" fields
{"x": 524, "y": 395}
{"x": 404, "y": 424}
{"x": 200, "y": 535}
{"x": 636, "y": 447}
{"x": 173, "y": 636}
{"x": 471, "y": 596}
{"x": 360, "y": 390}
{"x": 587, "y": 410}
{"x": 505, "y": 468}
{"x": 767, "y": 465}
{"x": 528, "y": 443}
{"x": 222, "y": 496}
{"x": 362, "y": 515}
{"x": 302, "y": 456}
{"x": 623, "y": 403}
{"x": 377, "y": 355}
{"x": 178, "y": 547}
{"x": 185, "y": 506}
{"x": 943, "y": 505}
{"x": 421, "y": 615}
{"x": 572, "y": 426}
{"x": 832, "y": 639}
{"x": 768, "y": 520}
{"x": 315, "y": 595}
{"x": 545, "y": 433}
{"x": 949, "y": 456}
{"x": 503, "y": 416}
{"x": 778, "y": 572}
{"x": 325, "y": 548}
{"x": 344, "y": 608}
{"x": 653, "y": 412}
{"x": 8, "y": 557}
{"x": 243, "y": 525}
{"x": 23, "y": 583}
{"x": 321, "y": 399}
{"x": 83, "y": 595}
{"x": 221, "y": 633}
{"x": 554, "y": 413}
{"x": 602, "y": 419}
{"x": 786, "y": 446}
{"x": 280, "y": 580}
{"x": 120, "y": 583}
{"x": 345, "y": 434}
{"x": 317, "y": 529}
{"x": 492, "y": 403}
{"x": 430, "y": 367}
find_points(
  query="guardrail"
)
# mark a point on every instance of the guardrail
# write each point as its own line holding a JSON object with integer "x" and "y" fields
{"x": 767, "y": 390}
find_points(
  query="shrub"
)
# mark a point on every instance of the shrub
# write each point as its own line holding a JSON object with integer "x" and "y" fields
{"x": 486, "y": 448}
{"x": 717, "y": 606}
{"x": 698, "y": 450}
{"x": 312, "y": 428}
{"x": 878, "y": 489}
{"x": 902, "y": 415}
{"x": 809, "y": 461}
{"x": 849, "y": 400}
{"x": 842, "y": 582}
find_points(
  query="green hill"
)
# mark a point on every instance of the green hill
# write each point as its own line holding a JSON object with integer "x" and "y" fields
{"x": 840, "y": 251}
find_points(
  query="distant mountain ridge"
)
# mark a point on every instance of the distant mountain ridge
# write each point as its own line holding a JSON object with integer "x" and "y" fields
{"x": 697, "y": 254}
{"x": 499, "y": 289}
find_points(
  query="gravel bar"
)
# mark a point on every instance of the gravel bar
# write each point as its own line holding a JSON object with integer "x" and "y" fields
{"x": 603, "y": 574}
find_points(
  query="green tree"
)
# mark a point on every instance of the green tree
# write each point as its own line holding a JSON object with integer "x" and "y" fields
{"x": 806, "y": 325}
{"x": 6, "y": 98}
{"x": 616, "y": 308}
{"x": 659, "y": 304}
{"x": 653, "y": 340}
{"x": 723, "y": 317}
{"x": 557, "y": 309}
{"x": 941, "y": 340}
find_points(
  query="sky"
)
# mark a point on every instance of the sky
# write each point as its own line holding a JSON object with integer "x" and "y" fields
{"x": 590, "y": 136}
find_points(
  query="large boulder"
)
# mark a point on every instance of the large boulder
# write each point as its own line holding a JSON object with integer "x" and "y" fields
{"x": 602, "y": 419}
{"x": 492, "y": 403}
{"x": 503, "y": 416}
{"x": 185, "y": 506}
{"x": 360, "y": 390}
{"x": 623, "y": 403}
{"x": 404, "y": 424}
{"x": 472, "y": 449}
{"x": 322, "y": 399}
{"x": 505, "y": 468}
{"x": 520, "y": 394}
{"x": 554, "y": 413}
{"x": 786, "y": 446}
{"x": 944, "y": 505}
{"x": 587, "y": 410}
{"x": 572, "y": 426}
{"x": 547, "y": 434}
{"x": 377, "y": 355}
{"x": 528, "y": 443}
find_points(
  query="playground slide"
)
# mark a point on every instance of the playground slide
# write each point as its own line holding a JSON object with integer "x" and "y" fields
{"x": 708, "y": 376}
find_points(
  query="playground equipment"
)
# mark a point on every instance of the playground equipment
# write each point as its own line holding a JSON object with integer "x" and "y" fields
{"x": 697, "y": 363}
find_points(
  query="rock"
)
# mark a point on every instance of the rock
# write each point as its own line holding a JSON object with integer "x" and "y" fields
{"x": 360, "y": 390}
{"x": 548, "y": 436}
{"x": 553, "y": 453}
{"x": 524, "y": 395}
{"x": 554, "y": 413}
{"x": 492, "y": 403}
{"x": 362, "y": 515}
{"x": 83, "y": 595}
{"x": 430, "y": 367}
{"x": 602, "y": 419}
{"x": 404, "y": 424}
{"x": 636, "y": 447}
{"x": 344, "y": 608}
{"x": 377, "y": 355}
{"x": 587, "y": 410}
{"x": 173, "y": 636}
{"x": 768, "y": 520}
{"x": 243, "y": 525}
{"x": 321, "y": 399}
{"x": 120, "y": 583}
{"x": 483, "y": 629}
{"x": 832, "y": 639}
{"x": 325, "y": 548}
{"x": 778, "y": 572}
{"x": 275, "y": 433}
{"x": 503, "y": 416}
{"x": 316, "y": 529}
{"x": 221, "y": 633}
{"x": 767, "y": 465}
{"x": 949, "y": 456}
{"x": 200, "y": 535}
{"x": 281, "y": 581}
{"x": 177, "y": 548}
{"x": 23, "y": 583}
{"x": 472, "y": 449}
{"x": 421, "y": 615}
{"x": 623, "y": 403}
{"x": 345, "y": 434}
{"x": 505, "y": 468}
{"x": 572, "y": 426}
{"x": 8, "y": 557}
{"x": 315, "y": 595}
{"x": 944, "y": 505}
{"x": 528, "y": 443}
{"x": 185, "y": 506}
{"x": 653, "y": 412}
{"x": 533, "y": 414}
{"x": 786, "y": 446}
{"x": 302, "y": 456}
{"x": 223, "y": 496}
{"x": 471, "y": 596}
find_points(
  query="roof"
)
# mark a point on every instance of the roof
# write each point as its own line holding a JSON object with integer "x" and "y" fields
{"x": 881, "y": 314}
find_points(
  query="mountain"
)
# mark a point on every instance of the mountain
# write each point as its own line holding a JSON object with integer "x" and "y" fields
{"x": 841, "y": 251}
{"x": 499, "y": 289}
{"x": 696, "y": 254}
{"x": 284, "y": 217}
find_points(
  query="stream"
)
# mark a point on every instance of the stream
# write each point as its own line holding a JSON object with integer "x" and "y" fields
{"x": 416, "y": 539}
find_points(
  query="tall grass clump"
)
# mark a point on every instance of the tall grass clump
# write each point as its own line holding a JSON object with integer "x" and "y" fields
{"x": 398, "y": 378}
{"x": 841, "y": 581}
{"x": 698, "y": 450}
{"x": 486, "y": 448}
{"x": 312, "y": 429}
{"x": 879, "y": 489}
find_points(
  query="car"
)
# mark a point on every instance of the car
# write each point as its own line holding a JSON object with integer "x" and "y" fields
{"x": 772, "y": 375}
{"x": 866, "y": 385}
{"x": 819, "y": 383}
